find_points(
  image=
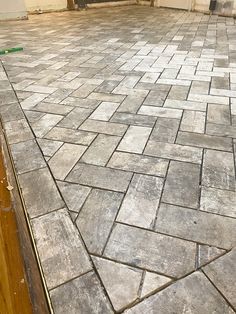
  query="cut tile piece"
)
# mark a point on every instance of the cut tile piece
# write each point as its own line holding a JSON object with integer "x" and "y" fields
{"x": 49, "y": 147}
{"x": 139, "y": 163}
{"x": 153, "y": 282}
{"x": 205, "y": 141}
{"x": 45, "y": 124}
{"x": 100, "y": 150}
{"x": 218, "y": 201}
{"x": 193, "y": 294}
{"x": 218, "y": 170}
{"x": 65, "y": 159}
{"x": 104, "y": 127}
{"x": 174, "y": 151}
{"x": 165, "y": 130}
{"x": 75, "y": 118}
{"x": 207, "y": 253}
{"x": 135, "y": 139}
{"x": 222, "y": 273}
{"x": 44, "y": 197}
{"x": 152, "y": 251}
{"x": 120, "y": 281}
{"x": 182, "y": 184}
{"x": 73, "y": 194}
{"x": 60, "y": 248}
{"x": 30, "y": 150}
{"x": 196, "y": 226}
{"x": 96, "y": 218}
{"x": 104, "y": 111}
{"x": 83, "y": 295}
{"x": 100, "y": 177}
{"x": 141, "y": 201}
{"x": 193, "y": 121}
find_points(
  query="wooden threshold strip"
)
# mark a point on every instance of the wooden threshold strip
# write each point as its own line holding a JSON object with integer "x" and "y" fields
{"x": 22, "y": 289}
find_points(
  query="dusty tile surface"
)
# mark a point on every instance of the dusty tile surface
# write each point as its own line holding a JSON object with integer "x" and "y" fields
{"x": 123, "y": 135}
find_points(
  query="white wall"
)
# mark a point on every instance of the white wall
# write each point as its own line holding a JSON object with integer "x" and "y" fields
{"x": 45, "y": 5}
{"x": 12, "y": 9}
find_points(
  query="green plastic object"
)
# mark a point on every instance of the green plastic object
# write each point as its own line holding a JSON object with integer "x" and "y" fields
{"x": 5, "y": 51}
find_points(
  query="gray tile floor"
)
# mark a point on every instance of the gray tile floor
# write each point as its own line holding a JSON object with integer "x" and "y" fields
{"x": 122, "y": 127}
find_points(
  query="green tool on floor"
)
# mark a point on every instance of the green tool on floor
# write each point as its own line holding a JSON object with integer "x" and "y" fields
{"x": 5, "y": 51}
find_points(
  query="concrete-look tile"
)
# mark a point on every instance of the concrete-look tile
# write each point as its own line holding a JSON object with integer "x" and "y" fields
{"x": 141, "y": 201}
{"x": 100, "y": 150}
{"x": 218, "y": 114}
{"x": 83, "y": 295}
{"x": 120, "y": 281}
{"x": 220, "y": 100}
{"x": 7, "y": 97}
{"x": 174, "y": 151}
{"x": 152, "y": 251}
{"x": 33, "y": 116}
{"x": 11, "y": 112}
{"x": 207, "y": 253}
{"x": 178, "y": 92}
{"x": 80, "y": 102}
{"x": 182, "y": 184}
{"x": 44, "y": 197}
{"x": 30, "y": 150}
{"x": 135, "y": 139}
{"x": 100, "y": 177}
{"x": 45, "y": 124}
{"x": 190, "y": 224}
{"x": 165, "y": 130}
{"x": 104, "y": 111}
{"x": 193, "y": 294}
{"x": 153, "y": 282}
{"x": 217, "y": 201}
{"x": 70, "y": 136}
{"x": 133, "y": 119}
{"x": 73, "y": 194}
{"x": 138, "y": 163}
{"x": 218, "y": 170}
{"x": 221, "y": 130}
{"x": 18, "y": 131}
{"x": 199, "y": 87}
{"x": 49, "y": 147}
{"x": 131, "y": 104}
{"x": 107, "y": 97}
{"x": 60, "y": 248}
{"x": 160, "y": 112}
{"x": 96, "y": 218}
{"x": 205, "y": 141}
{"x": 156, "y": 98}
{"x": 40, "y": 89}
{"x": 52, "y": 108}
{"x": 75, "y": 118}
{"x": 193, "y": 121}
{"x": 185, "y": 104}
{"x": 65, "y": 159}
{"x": 104, "y": 127}
{"x": 222, "y": 273}
{"x": 58, "y": 96}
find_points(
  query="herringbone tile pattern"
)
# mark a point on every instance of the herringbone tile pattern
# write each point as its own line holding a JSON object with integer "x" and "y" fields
{"x": 125, "y": 156}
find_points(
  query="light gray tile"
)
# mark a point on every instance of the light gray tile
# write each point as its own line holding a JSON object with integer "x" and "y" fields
{"x": 60, "y": 248}
{"x": 141, "y": 201}
{"x": 104, "y": 127}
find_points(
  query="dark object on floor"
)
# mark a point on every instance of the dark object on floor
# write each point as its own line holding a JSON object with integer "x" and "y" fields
{"x": 212, "y": 6}
{"x": 81, "y": 4}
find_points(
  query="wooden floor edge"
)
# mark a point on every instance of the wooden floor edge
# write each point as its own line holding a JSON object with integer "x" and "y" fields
{"x": 37, "y": 286}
